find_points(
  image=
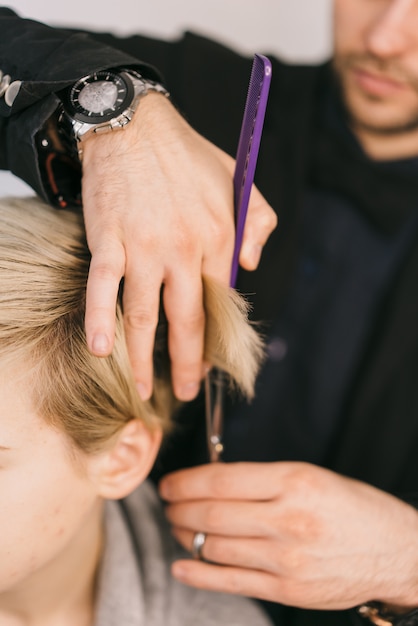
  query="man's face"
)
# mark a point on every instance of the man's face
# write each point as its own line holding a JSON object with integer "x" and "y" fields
{"x": 376, "y": 60}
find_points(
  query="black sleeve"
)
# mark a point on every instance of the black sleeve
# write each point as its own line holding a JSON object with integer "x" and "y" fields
{"x": 208, "y": 83}
{"x": 45, "y": 60}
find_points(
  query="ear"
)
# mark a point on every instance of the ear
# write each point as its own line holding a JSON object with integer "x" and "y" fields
{"x": 127, "y": 463}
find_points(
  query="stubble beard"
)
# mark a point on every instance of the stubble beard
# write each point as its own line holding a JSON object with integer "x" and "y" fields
{"x": 405, "y": 123}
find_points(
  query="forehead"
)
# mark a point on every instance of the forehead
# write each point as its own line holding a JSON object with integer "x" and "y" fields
{"x": 19, "y": 422}
{"x": 26, "y": 438}
{"x": 22, "y": 428}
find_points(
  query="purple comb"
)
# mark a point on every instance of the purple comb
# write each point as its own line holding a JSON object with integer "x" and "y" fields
{"x": 248, "y": 147}
{"x": 247, "y": 153}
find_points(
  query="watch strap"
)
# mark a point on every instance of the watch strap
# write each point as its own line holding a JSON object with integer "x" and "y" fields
{"x": 376, "y": 613}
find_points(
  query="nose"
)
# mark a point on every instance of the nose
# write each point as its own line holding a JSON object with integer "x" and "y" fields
{"x": 392, "y": 31}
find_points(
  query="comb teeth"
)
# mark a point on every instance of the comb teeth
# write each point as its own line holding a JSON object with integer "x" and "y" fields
{"x": 252, "y": 101}
{"x": 248, "y": 147}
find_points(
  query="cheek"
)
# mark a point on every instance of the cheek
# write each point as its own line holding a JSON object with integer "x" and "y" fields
{"x": 41, "y": 511}
{"x": 350, "y": 24}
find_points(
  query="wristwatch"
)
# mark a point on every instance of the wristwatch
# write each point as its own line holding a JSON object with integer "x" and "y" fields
{"x": 376, "y": 613}
{"x": 100, "y": 103}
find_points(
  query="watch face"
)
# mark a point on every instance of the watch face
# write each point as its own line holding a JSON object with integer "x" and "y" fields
{"x": 100, "y": 97}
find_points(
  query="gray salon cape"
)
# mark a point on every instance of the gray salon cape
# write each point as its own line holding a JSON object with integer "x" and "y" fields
{"x": 135, "y": 587}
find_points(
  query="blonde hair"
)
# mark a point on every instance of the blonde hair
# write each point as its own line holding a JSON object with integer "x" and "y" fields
{"x": 44, "y": 263}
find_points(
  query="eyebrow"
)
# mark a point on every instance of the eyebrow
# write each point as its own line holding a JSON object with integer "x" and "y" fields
{"x": 4, "y": 448}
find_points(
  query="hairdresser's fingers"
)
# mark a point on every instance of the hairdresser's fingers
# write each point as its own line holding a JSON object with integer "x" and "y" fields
{"x": 260, "y": 223}
{"x": 236, "y": 580}
{"x": 106, "y": 270}
{"x": 227, "y": 518}
{"x": 248, "y": 552}
{"x": 141, "y": 304}
{"x": 219, "y": 237}
{"x": 235, "y": 481}
{"x": 183, "y": 304}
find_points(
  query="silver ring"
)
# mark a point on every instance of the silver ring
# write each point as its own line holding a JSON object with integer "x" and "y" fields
{"x": 199, "y": 541}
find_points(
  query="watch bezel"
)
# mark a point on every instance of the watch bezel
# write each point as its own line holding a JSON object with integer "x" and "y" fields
{"x": 81, "y": 114}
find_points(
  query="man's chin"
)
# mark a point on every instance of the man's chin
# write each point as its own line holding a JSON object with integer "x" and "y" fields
{"x": 379, "y": 119}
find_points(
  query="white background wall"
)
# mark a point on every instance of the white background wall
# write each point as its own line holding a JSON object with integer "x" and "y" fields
{"x": 298, "y": 30}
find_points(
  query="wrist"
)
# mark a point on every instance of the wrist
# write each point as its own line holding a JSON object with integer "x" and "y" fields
{"x": 397, "y": 585}
{"x": 101, "y": 103}
{"x": 398, "y": 591}
{"x": 147, "y": 126}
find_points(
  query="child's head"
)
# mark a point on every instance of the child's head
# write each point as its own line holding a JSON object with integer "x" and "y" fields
{"x": 73, "y": 430}
{"x": 44, "y": 263}
{"x": 43, "y": 273}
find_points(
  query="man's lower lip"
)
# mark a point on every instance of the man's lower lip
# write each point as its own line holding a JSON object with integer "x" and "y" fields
{"x": 376, "y": 85}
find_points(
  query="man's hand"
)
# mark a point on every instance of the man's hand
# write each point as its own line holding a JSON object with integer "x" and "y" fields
{"x": 294, "y": 533}
{"x": 158, "y": 208}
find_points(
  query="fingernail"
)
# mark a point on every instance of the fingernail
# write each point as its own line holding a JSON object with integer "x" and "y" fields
{"x": 100, "y": 344}
{"x": 143, "y": 391}
{"x": 256, "y": 254}
{"x": 189, "y": 391}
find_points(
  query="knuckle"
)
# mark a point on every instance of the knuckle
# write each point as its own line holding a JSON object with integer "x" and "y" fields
{"x": 213, "y": 518}
{"x": 189, "y": 318}
{"x": 215, "y": 550}
{"x": 191, "y": 323}
{"x": 219, "y": 482}
{"x": 105, "y": 245}
{"x": 149, "y": 242}
{"x": 303, "y": 478}
{"x": 289, "y": 591}
{"x": 291, "y": 560}
{"x": 95, "y": 314}
{"x": 303, "y": 526}
{"x": 267, "y": 220}
{"x": 272, "y": 219}
{"x": 222, "y": 234}
{"x": 235, "y": 583}
{"x": 184, "y": 241}
{"x": 140, "y": 320}
{"x": 105, "y": 271}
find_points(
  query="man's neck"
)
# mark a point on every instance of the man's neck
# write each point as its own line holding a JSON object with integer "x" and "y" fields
{"x": 388, "y": 147}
